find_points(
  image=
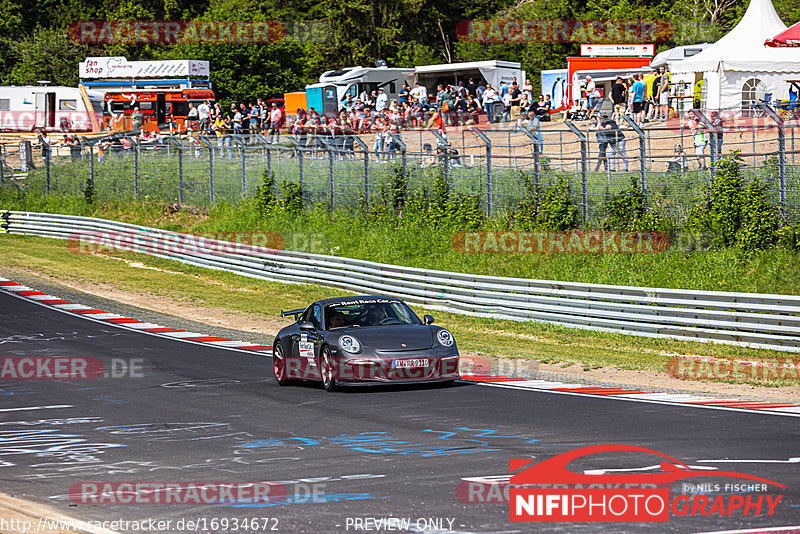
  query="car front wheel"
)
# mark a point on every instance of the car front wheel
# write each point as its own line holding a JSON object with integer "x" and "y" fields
{"x": 327, "y": 369}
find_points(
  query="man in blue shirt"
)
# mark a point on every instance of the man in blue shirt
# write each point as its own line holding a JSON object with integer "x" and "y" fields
{"x": 402, "y": 96}
{"x": 638, "y": 89}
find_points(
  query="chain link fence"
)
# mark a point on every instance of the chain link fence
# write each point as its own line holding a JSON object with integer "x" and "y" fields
{"x": 670, "y": 161}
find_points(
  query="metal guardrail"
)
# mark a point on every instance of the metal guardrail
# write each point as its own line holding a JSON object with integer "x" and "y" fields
{"x": 750, "y": 319}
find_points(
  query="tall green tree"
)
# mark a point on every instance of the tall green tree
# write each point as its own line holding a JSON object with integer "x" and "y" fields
{"x": 47, "y": 55}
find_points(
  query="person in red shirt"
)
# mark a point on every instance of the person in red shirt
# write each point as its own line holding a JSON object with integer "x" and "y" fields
{"x": 437, "y": 123}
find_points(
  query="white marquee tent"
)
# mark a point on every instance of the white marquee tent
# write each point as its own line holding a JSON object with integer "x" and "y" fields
{"x": 739, "y": 69}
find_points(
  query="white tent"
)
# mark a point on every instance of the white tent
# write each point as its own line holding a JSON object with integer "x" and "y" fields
{"x": 739, "y": 70}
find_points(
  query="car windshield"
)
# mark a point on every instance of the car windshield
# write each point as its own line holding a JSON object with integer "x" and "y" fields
{"x": 366, "y": 313}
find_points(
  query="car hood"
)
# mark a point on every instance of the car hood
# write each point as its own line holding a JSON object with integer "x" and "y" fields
{"x": 392, "y": 337}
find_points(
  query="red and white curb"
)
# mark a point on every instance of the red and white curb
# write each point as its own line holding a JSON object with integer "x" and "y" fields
{"x": 774, "y": 408}
{"x": 127, "y": 322}
{"x": 700, "y": 401}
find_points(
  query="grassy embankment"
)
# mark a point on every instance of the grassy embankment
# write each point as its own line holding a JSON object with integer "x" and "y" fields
{"x": 773, "y": 271}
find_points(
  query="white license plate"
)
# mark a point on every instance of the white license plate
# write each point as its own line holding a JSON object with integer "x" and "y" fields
{"x": 405, "y": 364}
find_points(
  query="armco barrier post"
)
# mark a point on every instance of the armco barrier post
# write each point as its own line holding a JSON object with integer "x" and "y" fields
{"x": 584, "y": 170}
{"x": 642, "y": 155}
{"x": 781, "y": 156}
{"x": 489, "y": 182}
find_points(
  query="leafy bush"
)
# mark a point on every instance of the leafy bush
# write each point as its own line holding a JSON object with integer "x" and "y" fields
{"x": 88, "y": 191}
{"x": 789, "y": 237}
{"x": 546, "y": 208}
{"x": 735, "y": 215}
{"x": 398, "y": 188}
{"x": 759, "y": 220}
{"x": 557, "y": 212}
{"x": 265, "y": 201}
{"x": 626, "y": 211}
{"x": 292, "y": 201}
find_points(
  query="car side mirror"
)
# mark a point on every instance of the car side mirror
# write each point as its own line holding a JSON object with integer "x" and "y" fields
{"x": 306, "y": 325}
{"x": 428, "y": 319}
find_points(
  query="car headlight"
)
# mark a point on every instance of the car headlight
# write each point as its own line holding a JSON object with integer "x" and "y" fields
{"x": 445, "y": 338}
{"x": 349, "y": 344}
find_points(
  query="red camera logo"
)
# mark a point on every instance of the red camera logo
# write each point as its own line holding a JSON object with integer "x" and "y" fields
{"x": 548, "y": 491}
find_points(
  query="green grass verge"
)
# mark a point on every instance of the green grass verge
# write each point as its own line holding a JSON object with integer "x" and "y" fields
{"x": 158, "y": 179}
{"x": 342, "y": 234}
{"x": 546, "y": 343}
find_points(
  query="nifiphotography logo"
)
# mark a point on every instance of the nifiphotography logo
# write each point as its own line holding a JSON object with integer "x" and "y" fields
{"x": 548, "y": 491}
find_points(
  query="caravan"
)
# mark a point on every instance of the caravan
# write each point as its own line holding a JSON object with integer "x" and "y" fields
{"x": 52, "y": 108}
{"x": 351, "y": 82}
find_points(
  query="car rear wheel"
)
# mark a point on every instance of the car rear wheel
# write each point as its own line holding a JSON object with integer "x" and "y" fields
{"x": 327, "y": 369}
{"x": 279, "y": 364}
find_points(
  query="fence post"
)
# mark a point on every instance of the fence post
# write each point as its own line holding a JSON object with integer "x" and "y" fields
{"x": 781, "y": 156}
{"x": 642, "y": 155}
{"x": 48, "y": 151}
{"x": 91, "y": 163}
{"x": 135, "y": 169}
{"x": 243, "y": 148}
{"x": 709, "y": 127}
{"x": 397, "y": 139}
{"x": 489, "y": 183}
{"x": 584, "y": 170}
{"x": 537, "y": 146}
{"x": 442, "y": 143}
{"x": 210, "y": 146}
{"x": 329, "y": 149}
{"x": 365, "y": 150}
{"x": 180, "y": 172}
{"x": 269, "y": 159}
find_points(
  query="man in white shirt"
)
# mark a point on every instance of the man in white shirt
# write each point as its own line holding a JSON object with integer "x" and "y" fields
{"x": 191, "y": 118}
{"x": 275, "y": 117}
{"x": 420, "y": 92}
{"x": 381, "y": 101}
{"x": 489, "y": 98}
{"x": 527, "y": 89}
{"x": 203, "y": 111}
{"x": 591, "y": 89}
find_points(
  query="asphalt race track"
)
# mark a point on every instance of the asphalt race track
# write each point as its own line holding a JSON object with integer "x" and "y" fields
{"x": 346, "y": 460}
